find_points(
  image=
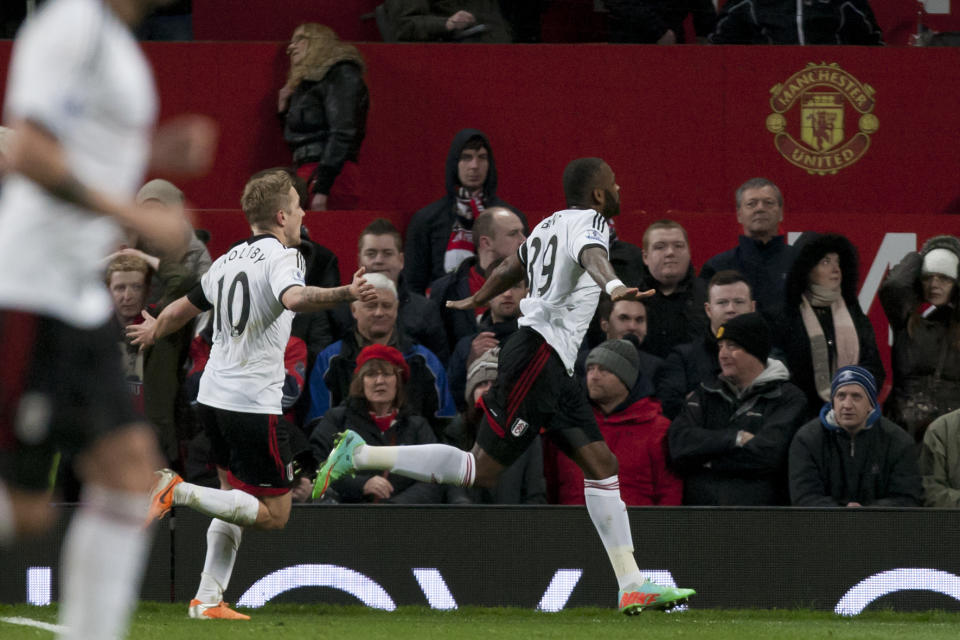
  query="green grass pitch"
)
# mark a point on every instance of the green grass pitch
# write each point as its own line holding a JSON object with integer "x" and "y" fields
{"x": 301, "y": 622}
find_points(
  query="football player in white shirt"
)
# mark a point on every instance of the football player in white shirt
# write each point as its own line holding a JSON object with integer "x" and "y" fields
{"x": 254, "y": 290}
{"x": 81, "y": 102}
{"x": 565, "y": 263}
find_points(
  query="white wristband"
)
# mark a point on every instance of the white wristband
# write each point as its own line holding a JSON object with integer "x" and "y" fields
{"x": 613, "y": 284}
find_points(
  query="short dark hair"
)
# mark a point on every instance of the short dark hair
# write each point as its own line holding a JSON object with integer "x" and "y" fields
{"x": 474, "y": 143}
{"x": 663, "y": 224}
{"x": 579, "y": 179}
{"x": 381, "y": 227}
{"x": 725, "y": 277}
{"x": 757, "y": 183}
{"x": 606, "y": 305}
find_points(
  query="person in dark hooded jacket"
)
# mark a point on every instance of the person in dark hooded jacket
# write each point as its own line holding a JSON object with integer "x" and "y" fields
{"x": 852, "y": 457}
{"x": 440, "y": 237}
{"x": 823, "y": 327}
{"x": 792, "y": 22}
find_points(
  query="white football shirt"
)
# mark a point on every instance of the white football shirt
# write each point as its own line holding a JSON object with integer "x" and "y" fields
{"x": 251, "y": 327}
{"x": 563, "y": 297}
{"x": 78, "y": 72}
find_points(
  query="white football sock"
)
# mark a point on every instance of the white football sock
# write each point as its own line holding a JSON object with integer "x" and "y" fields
{"x": 223, "y": 540}
{"x": 609, "y": 516}
{"x": 238, "y": 507}
{"x": 8, "y": 526}
{"x": 439, "y": 463}
{"x": 102, "y": 564}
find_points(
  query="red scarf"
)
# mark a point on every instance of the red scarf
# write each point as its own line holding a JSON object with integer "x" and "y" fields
{"x": 475, "y": 281}
{"x": 384, "y": 422}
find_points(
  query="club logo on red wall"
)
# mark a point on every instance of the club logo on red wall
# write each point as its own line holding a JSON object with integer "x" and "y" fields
{"x": 813, "y": 111}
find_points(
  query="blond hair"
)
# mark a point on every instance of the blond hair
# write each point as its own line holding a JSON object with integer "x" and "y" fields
{"x": 264, "y": 194}
{"x": 125, "y": 262}
{"x": 324, "y": 49}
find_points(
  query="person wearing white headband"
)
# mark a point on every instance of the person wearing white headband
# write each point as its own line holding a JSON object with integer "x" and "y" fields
{"x": 919, "y": 298}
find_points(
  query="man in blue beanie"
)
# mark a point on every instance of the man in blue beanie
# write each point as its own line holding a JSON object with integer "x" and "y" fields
{"x": 851, "y": 456}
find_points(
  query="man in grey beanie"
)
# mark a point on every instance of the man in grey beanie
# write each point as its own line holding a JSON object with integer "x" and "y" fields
{"x": 731, "y": 439}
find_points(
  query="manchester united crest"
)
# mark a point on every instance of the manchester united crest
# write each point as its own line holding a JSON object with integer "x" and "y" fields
{"x": 822, "y": 118}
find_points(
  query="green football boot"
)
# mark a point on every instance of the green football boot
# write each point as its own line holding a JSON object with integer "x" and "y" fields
{"x": 339, "y": 463}
{"x": 651, "y": 595}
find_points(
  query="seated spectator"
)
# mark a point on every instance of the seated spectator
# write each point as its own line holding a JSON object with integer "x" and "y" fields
{"x": 498, "y": 233}
{"x": 324, "y": 106}
{"x": 617, "y": 319}
{"x": 689, "y": 364}
{"x": 447, "y": 20}
{"x": 657, "y": 21}
{"x": 380, "y": 250}
{"x": 675, "y": 312}
{"x": 762, "y": 255}
{"x": 921, "y": 300}
{"x": 427, "y": 393}
{"x": 494, "y": 327}
{"x": 128, "y": 278}
{"x": 731, "y": 439}
{"x": 520, "y": 483}
{"x": 791, "y": 22}
{"x": 852, "y": 457}
{"x": 940, "y": 462}
{"x": 823, "y": 327}
{"x": 440, "y": 235}
{"x": 376, "y": 409}
{"x": 631, "y": 424}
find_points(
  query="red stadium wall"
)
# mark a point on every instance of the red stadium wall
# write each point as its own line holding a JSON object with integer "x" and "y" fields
{"x": 681, "y": 126}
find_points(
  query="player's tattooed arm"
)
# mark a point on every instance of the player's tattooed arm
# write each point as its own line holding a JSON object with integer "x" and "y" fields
{"x": 304, "y": 299}
{"x": 509, "y": 273}
{"x": 594, "y": 260}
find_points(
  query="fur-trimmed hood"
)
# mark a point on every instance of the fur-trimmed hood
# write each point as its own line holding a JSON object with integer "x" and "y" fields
{"x": 810, "y": 248}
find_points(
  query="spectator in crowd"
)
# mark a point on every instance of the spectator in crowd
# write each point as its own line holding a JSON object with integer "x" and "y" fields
{"x": 324, "y": 106}
{"x": 380, "y": 250}
{"x": 689, "y": 364}
{"x": 940, "y": 462}
{"x": 498, "y": 233}
{"x": 675, "y": 311}
{"x": 851, "y": 456}
{"x": 128, "y": 278}
{"x": 823, "y": 327}
{"x": 440, "y": 235}
{"x": 171, "y": 22}
{"x": 790, "y": 22}
{"x": 657, "y": 21}
{"x": 5, "y": 137}
{"x": 427, "y": 393}
{"x": 376, "y": 409}
{"x": 920, "y": 299}
{"x": 731, "y": 439}
{"x": 447, "y": 20}
{"x": 520, "y": 483}
{"x": 617, "y": 320}
{"x": 497, "y": 323}
{"x": 762, "y": 254}
{"x": 633, "y": 427}
{"x": 525, "y": 18}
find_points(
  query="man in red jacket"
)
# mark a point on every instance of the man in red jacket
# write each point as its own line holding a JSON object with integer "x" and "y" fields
{"x": 633, "y": 426}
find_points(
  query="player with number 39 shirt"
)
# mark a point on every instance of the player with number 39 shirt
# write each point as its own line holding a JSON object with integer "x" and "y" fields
{"x": 565, "y": 263}
{"x": 253, "y": 291}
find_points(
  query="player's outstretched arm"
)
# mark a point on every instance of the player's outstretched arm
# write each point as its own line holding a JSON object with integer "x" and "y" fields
{"x": 37, "y": 155}
{"x": 305, "y": 299}
{"x": 173, "y": 317}
{"x": 594, "y": 260}
{"x": 509, "y": 273}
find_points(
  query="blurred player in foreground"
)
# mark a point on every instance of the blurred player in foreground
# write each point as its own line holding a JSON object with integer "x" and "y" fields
{"x": 566, "y": 265}
{"x": 254, "y": 290}
{"x": 82, "y": 104}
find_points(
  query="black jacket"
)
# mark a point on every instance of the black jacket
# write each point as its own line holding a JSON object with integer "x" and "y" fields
{"x": 685, "y": 368}
{"x": 646, "y": 21}
{"x": 878, "y": 467}
{"x": 429, "y": 230}
{"x": 793, "y": 338}
{"x": 703, "y": 440}
{"x": 408, "y": 429}
{"x": 457, "y": 323}
{"x": 775, "y": 22}
{"x": 326, "y": 121}
{"x": 918, "y": 349}
{"x": 763, "y": 265}
{"x": 676, "y": 318}
{"x": 457, "y": 369}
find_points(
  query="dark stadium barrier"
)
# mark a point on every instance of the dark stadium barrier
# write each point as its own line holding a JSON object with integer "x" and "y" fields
{"x": 550, "y": 557}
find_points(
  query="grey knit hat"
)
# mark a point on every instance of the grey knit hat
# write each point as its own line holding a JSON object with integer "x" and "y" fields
{"x": 620, "y": 358}
{"x": 482, "y": 370}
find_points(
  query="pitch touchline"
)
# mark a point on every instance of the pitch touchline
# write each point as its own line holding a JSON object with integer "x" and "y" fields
{"x": 27, "y": 622}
